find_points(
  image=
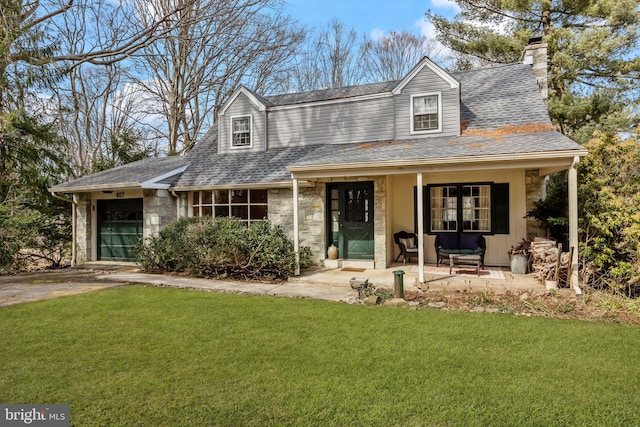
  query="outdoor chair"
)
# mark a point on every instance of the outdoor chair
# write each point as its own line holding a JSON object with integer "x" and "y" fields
{"x": 408, "y": 244}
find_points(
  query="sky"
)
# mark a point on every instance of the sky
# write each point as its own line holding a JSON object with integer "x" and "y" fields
{"x": 371, "y": 17}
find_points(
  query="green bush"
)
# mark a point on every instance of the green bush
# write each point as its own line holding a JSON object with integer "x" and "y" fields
{"x": 222, "y": 248}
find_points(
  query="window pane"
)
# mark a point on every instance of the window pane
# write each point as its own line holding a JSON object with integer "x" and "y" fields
{"x": 241, "y": 212}
{"x": 222, "y": 211}
{"x": 258, "y": 196}
{"x": 196, "y": 211}
{"x": 425, "y": 113}
{"x": 356, "y": 205}
{"x": 207, "y": 198}
{"x": 258, "y": 212}
{"x": 196, "y": 197}
{"x": 239, "y": 196}
{"x": 206, "y": 211}
{"x": 444, "y": 208}
{"x": 221, "y": 197}
{"x": 476, "y": 207}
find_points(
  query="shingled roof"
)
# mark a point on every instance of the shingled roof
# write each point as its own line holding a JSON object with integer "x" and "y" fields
{"x": 501, "y": 114}
{"x": 132, "y": 175}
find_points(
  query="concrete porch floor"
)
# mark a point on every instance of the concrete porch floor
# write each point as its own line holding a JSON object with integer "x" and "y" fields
{"x": 385, "y": 278}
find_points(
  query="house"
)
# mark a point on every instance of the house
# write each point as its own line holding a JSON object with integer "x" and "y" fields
{"x": 343, "y": 166}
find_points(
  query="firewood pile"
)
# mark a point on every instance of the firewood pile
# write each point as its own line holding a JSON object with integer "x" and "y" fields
{"x": 548, "y": 262}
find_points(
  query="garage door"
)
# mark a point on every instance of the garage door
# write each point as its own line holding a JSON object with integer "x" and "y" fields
{"x": 119, "y": 228}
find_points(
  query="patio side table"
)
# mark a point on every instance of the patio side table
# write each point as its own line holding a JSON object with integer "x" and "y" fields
{"x": 464, "y": 261}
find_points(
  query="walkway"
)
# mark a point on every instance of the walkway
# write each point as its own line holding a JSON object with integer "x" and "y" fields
{"x": 317, "y": 283}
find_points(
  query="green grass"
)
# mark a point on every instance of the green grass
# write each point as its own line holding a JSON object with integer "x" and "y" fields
{"x": 166, "y": 357}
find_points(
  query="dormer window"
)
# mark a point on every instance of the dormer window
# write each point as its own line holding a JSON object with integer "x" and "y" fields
{"x": 241, "y": 131}
{"x": 426, "y": 113}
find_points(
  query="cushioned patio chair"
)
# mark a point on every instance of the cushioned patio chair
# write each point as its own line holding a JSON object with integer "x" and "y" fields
{"x": 408, "y": 244}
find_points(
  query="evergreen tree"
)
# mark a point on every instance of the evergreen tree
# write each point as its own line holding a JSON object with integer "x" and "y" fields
{"x": 592, "y": 51}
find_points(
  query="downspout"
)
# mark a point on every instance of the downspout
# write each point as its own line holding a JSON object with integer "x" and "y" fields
{"x": 178, "y": 202}
{"x": 74, "y": 204}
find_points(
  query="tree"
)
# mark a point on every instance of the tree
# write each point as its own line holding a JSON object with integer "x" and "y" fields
{"x": 591, "y": 44}
{"x": 392, "y": 57}
{"x": 31, "y": 151}
{"x": 609, "y": 188}
{"x": 96, "y": 107}
{"x": 333, "y": 58}
{"x": 197, "y": 65}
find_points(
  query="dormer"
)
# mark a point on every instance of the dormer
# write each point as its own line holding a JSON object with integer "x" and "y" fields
{"x": 242, "y": 122}
{"x": 427, "y": 103}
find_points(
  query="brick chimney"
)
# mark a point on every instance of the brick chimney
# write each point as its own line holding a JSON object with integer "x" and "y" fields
{"x": 535, "y": 54}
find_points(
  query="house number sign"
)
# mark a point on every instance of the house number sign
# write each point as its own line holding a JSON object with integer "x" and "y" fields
{"x": 120, "y": 194}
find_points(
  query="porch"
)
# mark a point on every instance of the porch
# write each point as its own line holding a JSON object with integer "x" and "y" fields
{"x": 494, "y": 279}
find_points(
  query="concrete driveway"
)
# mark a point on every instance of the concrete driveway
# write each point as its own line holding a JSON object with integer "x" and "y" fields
{"x": 45, "y": 284}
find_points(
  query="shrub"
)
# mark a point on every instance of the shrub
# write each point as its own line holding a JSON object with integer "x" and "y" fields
{"x": 221, "y": 248}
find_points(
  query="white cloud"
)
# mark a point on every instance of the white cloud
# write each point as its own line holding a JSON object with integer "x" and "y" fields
{"x": 445, "y": 4}
{"x": 377, "y": 34}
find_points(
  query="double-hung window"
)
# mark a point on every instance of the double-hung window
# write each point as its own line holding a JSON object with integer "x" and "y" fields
{"x": 481, "y": 208}
{"x": 425, "y": 113}
{"x": 241, "y": 131}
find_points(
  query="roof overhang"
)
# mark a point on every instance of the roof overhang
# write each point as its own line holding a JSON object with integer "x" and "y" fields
{"x": 248, "y": 186}
{"x": 547, "y": 161}
{"x": 152, "y": 183}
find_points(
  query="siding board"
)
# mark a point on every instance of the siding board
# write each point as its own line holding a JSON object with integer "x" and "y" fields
{"x": 339, "y": 123}
{"x": 426, "y": 82}
{"x": 242, "y": 106}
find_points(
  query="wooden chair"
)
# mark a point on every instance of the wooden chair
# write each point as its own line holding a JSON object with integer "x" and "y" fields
{"x": 408, "y": 244}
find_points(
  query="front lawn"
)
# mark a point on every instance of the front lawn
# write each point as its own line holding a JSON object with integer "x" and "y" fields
{"x": 166, "y": 357}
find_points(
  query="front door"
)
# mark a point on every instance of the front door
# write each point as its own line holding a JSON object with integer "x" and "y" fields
{"x": 351, "y": 219}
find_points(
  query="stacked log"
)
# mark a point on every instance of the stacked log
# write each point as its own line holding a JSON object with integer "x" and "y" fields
{"x": 548, "y": 261}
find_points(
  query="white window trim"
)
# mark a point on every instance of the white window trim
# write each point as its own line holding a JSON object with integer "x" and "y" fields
{"x": 422, "y": 132}
{"x": 251, "y": 134}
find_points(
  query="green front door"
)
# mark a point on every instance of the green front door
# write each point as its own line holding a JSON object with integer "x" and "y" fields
{"x": 119, "y": 228}
{"x": 351, "y": 219}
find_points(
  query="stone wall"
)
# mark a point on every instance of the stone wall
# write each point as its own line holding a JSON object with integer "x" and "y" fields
{"x": 83, "y": 227}
{"x": 159, "y": 209}
{"x": 311, "y": 209}
{"x": 536, "y": 188}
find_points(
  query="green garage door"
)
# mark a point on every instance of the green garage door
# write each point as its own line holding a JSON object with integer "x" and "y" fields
{"x": 119, "y": 228}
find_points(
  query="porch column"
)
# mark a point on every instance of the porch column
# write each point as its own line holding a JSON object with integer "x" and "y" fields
{"x": 573, "y": 223}
{"x": 296, "y": 227}
{"x": 420, "y": 229}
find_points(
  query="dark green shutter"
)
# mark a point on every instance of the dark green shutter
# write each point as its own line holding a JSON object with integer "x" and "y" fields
{"x": 500, "y": 208}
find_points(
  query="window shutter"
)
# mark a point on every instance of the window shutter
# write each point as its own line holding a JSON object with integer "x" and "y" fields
{"x": 500, "y": 208}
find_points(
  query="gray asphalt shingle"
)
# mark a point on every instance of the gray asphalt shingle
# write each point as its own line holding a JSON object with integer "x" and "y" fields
{"x": 492, "y": 99}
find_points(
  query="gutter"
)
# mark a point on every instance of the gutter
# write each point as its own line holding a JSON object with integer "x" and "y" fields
{"x": 73, "y": 224}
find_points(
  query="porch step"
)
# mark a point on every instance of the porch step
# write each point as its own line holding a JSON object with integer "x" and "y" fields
{"x": 352, "y": 263}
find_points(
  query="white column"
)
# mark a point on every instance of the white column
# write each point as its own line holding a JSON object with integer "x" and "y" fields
{"x": 573, "y": 222}
{"x": 296, "y": 227}
{"x": 420, "y": 229}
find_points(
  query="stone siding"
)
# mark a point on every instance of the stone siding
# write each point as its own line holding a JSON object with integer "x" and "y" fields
{"x": 83, "y": 228}
{"x": 311, "y": 205}
{"x": 312, "y": 216}
{"x": 159, "y": 209}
